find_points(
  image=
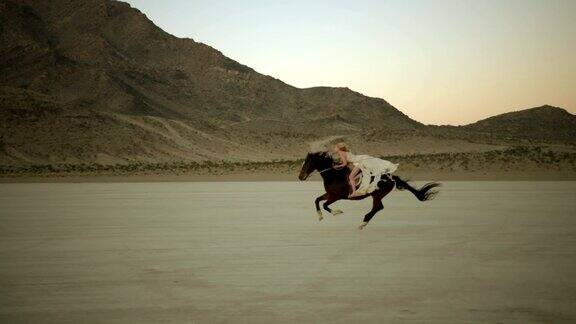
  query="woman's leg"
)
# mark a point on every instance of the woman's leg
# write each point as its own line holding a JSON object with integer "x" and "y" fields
{"x": 351, "y": 177}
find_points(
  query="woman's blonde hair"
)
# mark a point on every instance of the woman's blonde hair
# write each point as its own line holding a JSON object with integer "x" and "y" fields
{"x": 342, "y": 146}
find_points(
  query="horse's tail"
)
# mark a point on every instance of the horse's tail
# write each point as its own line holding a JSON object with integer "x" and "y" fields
{"x": 424, "y": 193}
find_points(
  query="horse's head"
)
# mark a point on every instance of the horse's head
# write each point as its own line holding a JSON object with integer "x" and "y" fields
{"x": 316, "y": 161}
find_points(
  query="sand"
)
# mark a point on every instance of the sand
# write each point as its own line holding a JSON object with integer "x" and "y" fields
{"x": 254, "y": 252}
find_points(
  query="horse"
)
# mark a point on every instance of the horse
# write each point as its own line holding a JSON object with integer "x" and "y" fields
{"x": 337, "y": 186}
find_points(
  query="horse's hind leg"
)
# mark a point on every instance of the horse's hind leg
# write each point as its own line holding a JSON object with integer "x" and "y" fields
{"x": 376, "y": 206}
{"x": 317, "y": 204}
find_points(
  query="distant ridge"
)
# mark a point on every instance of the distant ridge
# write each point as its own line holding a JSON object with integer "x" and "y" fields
{"x": 544, "y": 122}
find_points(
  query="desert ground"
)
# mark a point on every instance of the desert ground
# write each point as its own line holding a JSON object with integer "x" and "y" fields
{"x": 254, "y": 252}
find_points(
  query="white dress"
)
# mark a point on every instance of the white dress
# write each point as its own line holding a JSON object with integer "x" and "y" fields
{"x": 372, "y": 170}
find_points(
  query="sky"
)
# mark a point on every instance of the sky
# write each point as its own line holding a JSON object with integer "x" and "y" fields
{"x": 440, "y": 62}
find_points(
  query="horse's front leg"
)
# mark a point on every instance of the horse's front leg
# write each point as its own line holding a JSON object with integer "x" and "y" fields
{"x": 376, "y": 207}
{"x": 317, "y": 204}
{"x": 329, "y": 202}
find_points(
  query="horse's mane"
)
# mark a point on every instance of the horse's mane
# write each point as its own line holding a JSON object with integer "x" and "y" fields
{"x": 325, "y": 155}
{"x": 322, "y": 145}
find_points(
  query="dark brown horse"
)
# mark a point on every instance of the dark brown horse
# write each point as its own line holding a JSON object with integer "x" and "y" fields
{"x": 337, "y": 186}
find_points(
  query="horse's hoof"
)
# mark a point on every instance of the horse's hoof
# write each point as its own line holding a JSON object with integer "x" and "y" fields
{"x": 336, "y": 211}
{"x": 320, "y": 217}
{"x": 361, "y": 227}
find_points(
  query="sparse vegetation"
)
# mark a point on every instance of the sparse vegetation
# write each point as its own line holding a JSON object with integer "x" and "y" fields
{"x": 489, "y": 160}
{"x": 208, "y": 167}
{"x": 508, "y": 159}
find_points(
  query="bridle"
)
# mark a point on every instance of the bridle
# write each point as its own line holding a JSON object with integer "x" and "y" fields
{"x": 322, "y": 171}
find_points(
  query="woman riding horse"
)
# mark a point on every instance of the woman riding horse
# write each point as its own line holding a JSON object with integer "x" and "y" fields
{"x": 337, "y": 185}
{"x": 364, "y": 163}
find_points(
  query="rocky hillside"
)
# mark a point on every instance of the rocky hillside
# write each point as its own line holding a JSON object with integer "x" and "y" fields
{"x": 540, "y": 123}
{"x": 95, "y": 81}
{"x": 105, "y": 55}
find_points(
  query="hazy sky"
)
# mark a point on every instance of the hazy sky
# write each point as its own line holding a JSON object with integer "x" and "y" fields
{"x": 440, "y": 62}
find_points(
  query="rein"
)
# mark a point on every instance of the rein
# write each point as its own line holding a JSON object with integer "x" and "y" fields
{"x": 321, "y": 171}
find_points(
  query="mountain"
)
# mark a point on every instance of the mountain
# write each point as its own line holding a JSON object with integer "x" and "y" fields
{"x": 96, "y": 81}
{"x": 104, "y": 58}
{"x": 544, "y": 123}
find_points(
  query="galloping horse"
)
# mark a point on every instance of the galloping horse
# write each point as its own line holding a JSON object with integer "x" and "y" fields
{"x": 337, "y": 186}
